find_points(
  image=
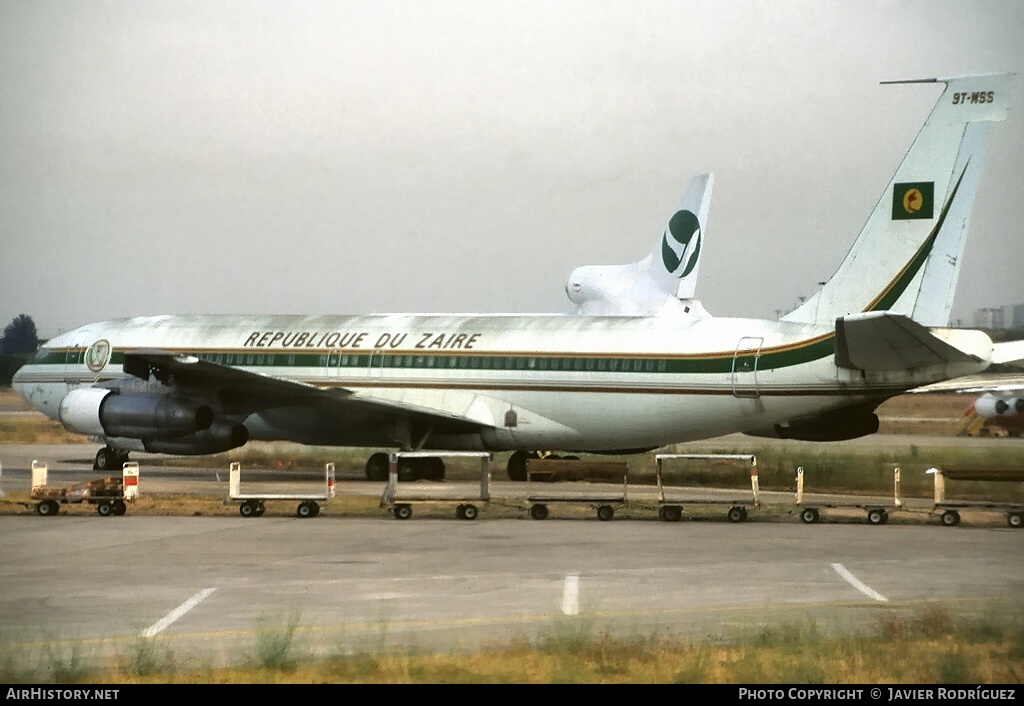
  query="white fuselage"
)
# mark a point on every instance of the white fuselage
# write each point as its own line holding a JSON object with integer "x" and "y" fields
{"x": 533, "y": 381}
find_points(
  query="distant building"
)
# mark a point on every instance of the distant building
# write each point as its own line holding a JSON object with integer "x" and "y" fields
{"x": 1000, "y": 317}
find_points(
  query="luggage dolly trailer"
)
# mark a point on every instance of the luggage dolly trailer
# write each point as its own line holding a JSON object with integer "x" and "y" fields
{"x": 107, "y": 494}
{"x": 565, "y": 470}
{"x": 947, "y": 511}
{"x": 465, "y": 507}
{"x": 252, "y": 504}
{"x": 670, "y": 509}
{"x": 878, "y": 513}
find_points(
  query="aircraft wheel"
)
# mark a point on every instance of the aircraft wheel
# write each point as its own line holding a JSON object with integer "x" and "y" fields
{"x": 434, "y": 469}
{"x": 105, "y": 459}
{"x": 517, "y": 465}
{"x": 737, "y": 514}
{"x": 47, "y": 508}
{"x": 672, "y": 513}
{"x": 119, "y": 507}
{"x": 408, "y": 469}
{"x": 950, "y": 518}
{"x": 403, "y": 512}
{"x": 539, "y": 512}
{"x": 877, "y": 516}
{"x": 809, "y": 515}
{"x": 249, "y": 509}
{"x": 377, "y": 466}
{"x": 469, "y": 512}
{"x": 605, "y": 513}
{"x": 105, "y": 509}
{"x": 1014, "y": 519}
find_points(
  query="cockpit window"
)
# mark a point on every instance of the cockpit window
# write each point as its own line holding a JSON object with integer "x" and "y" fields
{"x": 42, "y": 354}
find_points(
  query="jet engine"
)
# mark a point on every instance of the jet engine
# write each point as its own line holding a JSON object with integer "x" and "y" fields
{"x": 102, "y": 412}
{"x": 219, "y": 437}
{"x": 989, "y": 406}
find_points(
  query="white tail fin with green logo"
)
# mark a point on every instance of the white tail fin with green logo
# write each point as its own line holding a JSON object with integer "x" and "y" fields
{"x": 906, "y": 259}
{"x": 664, "y": 281}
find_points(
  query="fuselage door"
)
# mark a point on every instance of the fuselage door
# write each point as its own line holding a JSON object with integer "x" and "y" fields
{"x": 744, "y": 366}
{"x": 376, "y": 363}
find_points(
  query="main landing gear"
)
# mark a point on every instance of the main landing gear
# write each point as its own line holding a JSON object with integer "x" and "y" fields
{"x": 378, "y": 467}
{"x": 108, "y": 459}
{"x": 517, "y": 462}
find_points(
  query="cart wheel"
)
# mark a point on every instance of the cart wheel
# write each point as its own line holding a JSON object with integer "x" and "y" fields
{"x": 403, "y": 512}
{"x": 950, "y": 518}
{"x": 460, "y": 511}
{"x": 605, "y": 513}
{"x": 877, "y": 516}
{"x": 308, "y": 508}
{"x": 539, "y": 512}
{"x": 105, "y": 509}
{"x": 248, "y": 509}
{"x": 47, "y": 508}
{"x": 469, "y": 512}
{"x": 672, "y": 513}
{"x": 120, "y": 508}
{"x": 809, "y": 515}
{"x": 260, "y": 509}
{"x": 1013, "y": 519}
{"x": 737, "y": 514}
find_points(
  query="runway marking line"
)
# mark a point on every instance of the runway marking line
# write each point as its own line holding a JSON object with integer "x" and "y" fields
{"x": 858, "y": 584}
{"x": 166, "y": 621}
{"x": 571, "y": 595}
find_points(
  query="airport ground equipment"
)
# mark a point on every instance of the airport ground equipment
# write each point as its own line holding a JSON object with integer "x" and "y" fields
{"x": 948, "y": 511}
{"x": 434, "y": 493}
{"x": 877, "y": 513}
{"x": 672, "y": 500}
{"x": 573, "y": 484}
{"x": 254, "y": 504}
{"x": 109, "y": 494}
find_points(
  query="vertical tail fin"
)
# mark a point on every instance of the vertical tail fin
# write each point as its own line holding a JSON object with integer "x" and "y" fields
{"x": 665, "y": 276}
{"x": 907, "y": 257}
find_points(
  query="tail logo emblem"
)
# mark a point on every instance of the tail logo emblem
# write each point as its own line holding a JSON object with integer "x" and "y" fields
{"x": 680, "y": 246}
{"x": 913, "y": 200}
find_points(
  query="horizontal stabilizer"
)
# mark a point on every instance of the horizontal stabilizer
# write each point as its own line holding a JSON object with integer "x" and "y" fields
{"x": 882, "y": 341}
{"x": 1008, "y": 352}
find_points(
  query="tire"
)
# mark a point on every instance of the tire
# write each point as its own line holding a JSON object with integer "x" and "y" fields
{"x": 260, "y": 509}
{"x": 435, "y": 469}
{"x": 248, "y": 509}
{"x": 120, "y": 508}
{"x": 1014, "y": 519}
{"x": 408, "y": 469}
{"x": 377, "y": 466}
{"x": 877, "y": 516}
{"x": 47, "y": 508}
{"x": 105, "y": 459}
{"x": 737, "y": 514}
{"x": 517, "y": 465}
{"x": 460, "y": 511}
{"x": 403, "y": 512}
{"x": 469, "y": 512}
{"x": 809, "y": 515}
{"x": 105, "y": 509}
{"x": 605, "y": 513}
{"x": 950, "y": 518}
{"x": 308, "y": 508}
{"x": 672, "y": 513}
{"x": 539, "y": 512}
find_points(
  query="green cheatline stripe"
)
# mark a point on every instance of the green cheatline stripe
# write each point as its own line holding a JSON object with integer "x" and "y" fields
{"x": 805, "y": 352}
{"x": 889, "y": 296}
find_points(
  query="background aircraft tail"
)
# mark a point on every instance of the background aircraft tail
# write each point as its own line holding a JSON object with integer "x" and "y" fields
{"x": 661, "y": 279}
{"x": 907, "y": 257}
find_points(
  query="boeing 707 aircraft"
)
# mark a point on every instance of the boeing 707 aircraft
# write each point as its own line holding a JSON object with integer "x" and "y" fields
{"x": 625, "y": 382}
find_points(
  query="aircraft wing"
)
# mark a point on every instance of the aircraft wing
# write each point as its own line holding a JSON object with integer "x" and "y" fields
{"x": 881, "y": 341}
{"x": 249, "y": 392}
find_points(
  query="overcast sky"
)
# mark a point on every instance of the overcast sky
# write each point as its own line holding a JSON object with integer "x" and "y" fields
{"x": 352, "y": 157}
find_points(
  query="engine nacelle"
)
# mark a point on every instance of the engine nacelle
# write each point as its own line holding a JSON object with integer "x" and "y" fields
{"x": 840, "y": 425}
{"x": 989, "y": 406}
{"x": 221, "y": 436}
{"x": 101, "y": 412}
